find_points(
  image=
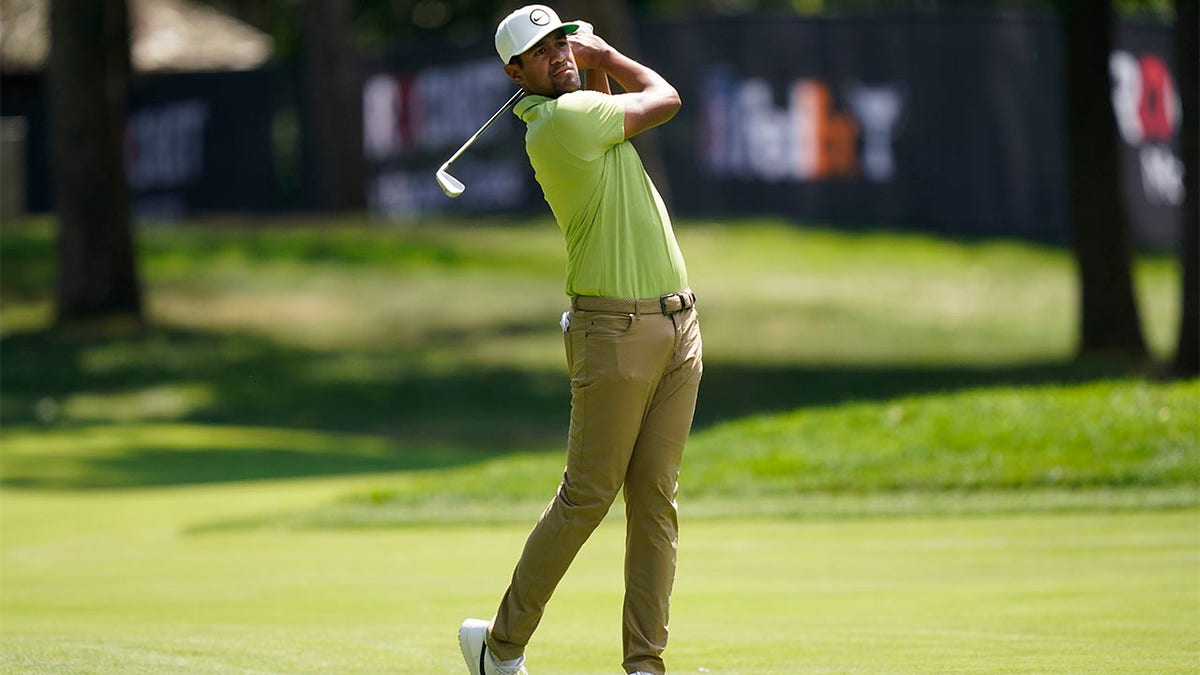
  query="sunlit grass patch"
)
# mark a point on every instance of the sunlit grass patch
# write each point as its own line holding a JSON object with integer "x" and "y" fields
{"x": 771, "y": 291}
{"x": 158, "y": 402}
{"x": 773, "y": 294}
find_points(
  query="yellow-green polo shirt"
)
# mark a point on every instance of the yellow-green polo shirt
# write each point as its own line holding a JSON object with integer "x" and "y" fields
{"x": 618, "y": 234}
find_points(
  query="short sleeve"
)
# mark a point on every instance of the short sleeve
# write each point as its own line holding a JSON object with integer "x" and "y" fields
{"x": 588, "y": 123}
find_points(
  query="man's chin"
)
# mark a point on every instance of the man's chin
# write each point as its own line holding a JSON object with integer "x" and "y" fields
{"x": 568, "y": 84}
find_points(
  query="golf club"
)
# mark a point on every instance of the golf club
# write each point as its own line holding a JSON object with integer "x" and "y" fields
{"x": 452, "y": 186}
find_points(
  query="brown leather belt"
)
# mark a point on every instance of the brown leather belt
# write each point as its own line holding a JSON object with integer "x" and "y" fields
{"x": 667, "y": 304}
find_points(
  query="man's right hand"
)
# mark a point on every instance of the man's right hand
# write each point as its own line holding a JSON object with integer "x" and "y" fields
{"x": 591, "y": 51}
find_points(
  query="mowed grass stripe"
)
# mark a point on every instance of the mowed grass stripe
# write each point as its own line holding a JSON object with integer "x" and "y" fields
{"x": 1093, "y": 592}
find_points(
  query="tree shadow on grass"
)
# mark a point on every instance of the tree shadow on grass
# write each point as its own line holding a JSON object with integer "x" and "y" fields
{"x": 427, "y": 418}
{"x": 385, "y": 411}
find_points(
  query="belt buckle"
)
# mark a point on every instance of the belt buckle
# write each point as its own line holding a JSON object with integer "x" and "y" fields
{"x": 662, "y": 303}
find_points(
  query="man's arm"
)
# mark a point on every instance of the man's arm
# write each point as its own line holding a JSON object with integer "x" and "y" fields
{"x": 649, "y": 100}
{"x": 596, "y": 80}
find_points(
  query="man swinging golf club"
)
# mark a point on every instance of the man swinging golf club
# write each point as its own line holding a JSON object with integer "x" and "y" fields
{"x": 632, "y": 337}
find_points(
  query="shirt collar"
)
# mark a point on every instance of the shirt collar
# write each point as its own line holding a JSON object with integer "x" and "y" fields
{"x": 525, "y": 108}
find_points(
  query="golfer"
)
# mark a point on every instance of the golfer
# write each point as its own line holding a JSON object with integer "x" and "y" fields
{"x": 632, "y": 337}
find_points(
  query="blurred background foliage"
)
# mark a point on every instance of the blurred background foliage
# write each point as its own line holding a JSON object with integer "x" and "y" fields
{"x": 380, "y": 25}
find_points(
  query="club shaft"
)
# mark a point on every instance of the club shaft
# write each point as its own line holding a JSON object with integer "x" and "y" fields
{"x": 515, "y": 97}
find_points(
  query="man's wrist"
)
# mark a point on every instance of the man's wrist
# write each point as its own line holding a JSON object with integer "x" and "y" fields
{"x": 604, "y": 59}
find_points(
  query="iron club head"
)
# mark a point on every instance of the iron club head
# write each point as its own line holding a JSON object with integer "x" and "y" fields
{"x": 452, "y": 186}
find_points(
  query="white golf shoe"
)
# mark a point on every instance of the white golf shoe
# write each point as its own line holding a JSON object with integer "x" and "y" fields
{"x": 472, "y": 639}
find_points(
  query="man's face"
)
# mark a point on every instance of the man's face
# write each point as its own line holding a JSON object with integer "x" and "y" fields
{"x": 548, "y": 68}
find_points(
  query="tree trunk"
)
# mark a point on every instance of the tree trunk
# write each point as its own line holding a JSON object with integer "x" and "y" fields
{"x": 1103, "y": 241}
{"x": 335, "y": 104}
{"x": 613, "y": 21}
{"x": 88, "y": 75}
{"x": 1187, "y": 48}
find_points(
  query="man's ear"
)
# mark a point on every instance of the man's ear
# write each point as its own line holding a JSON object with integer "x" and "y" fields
{"x": 515, "y": 73}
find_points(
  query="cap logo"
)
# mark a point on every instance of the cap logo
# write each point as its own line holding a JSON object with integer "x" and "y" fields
{"x": 539, "y": 17}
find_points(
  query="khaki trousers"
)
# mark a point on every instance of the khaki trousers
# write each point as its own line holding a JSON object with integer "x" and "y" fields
{"x": 634, "y": 379}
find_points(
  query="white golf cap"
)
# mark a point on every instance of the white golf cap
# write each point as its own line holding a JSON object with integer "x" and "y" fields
{"x": 522, "y": 29}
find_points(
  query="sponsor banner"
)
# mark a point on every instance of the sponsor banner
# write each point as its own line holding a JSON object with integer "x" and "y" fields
{"x": 952, "y": 122}
{"x": 193, "y": 142}
{"x": 164, "y": 155}
{"x": 1146, "y": 105}
{"x": 201, "y": 142}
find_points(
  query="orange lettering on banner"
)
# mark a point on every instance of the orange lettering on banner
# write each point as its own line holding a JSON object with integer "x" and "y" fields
{"x": 834, "y": 135}
{"x": 839, "y": 146}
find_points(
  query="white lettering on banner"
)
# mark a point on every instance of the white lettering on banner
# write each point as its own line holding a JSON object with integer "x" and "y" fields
{"x": 1126, "y": 95}
{"x": 764, "y": 154}
{"x": 164, "y": 145}
{"x": 747, "y": 136}
{"x": 435, "y": 109}
{"x": 1162, "y": 175}
{"x": 878, "y": 110}
{"x": 1147, "y": 109}
{"x": 410, "y": 192}
{"x": 382, "y": 118}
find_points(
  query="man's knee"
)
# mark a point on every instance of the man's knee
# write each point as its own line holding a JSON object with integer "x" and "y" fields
{"x": 586, "y": 502}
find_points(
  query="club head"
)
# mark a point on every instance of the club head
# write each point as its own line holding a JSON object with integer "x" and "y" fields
{"x": 452, "y": 186}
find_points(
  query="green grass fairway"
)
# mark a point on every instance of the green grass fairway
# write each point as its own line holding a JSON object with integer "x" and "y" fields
{"x": 328, "y": 445}
{"x": 109, "y": 582}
